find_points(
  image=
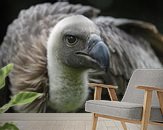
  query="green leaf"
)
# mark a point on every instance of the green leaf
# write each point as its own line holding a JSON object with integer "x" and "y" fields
{"x": 4, "y": 73}
{"x": 5, "y": 107}
{"x": 21, "y": 98}
{"x": 9, "y": 126}
{"x": 24, "y": 97}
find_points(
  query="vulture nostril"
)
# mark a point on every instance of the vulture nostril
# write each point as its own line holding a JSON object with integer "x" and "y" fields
{"x": 91, "y": 44}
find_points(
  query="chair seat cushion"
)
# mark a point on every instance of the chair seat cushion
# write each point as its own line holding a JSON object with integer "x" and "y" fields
{"x": 131, "y": 111}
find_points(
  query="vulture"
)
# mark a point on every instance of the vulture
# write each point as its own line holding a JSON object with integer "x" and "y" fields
{"x": 58, "y": 48}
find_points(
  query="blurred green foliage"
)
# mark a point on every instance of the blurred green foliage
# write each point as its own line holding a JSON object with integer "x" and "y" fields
{"x": 4, "y": 73}
{"x": 20, "y": 98}
{"x": 8, "y": 126}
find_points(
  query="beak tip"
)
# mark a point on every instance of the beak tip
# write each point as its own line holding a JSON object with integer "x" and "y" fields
{"x": 100, "y": 53}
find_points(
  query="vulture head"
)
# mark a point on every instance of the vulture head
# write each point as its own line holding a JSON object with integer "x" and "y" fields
{"x": 74, "y": 46}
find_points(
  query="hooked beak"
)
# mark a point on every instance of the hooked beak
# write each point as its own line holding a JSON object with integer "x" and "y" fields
{"x": 97, "y": 51}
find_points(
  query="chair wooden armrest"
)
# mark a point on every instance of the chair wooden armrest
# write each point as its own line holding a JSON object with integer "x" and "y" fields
{"x": 150, "y": 88}
{"x": 102, "y": 86}
{"x": 148, "y": 99}
{"x": 98, "y": 91}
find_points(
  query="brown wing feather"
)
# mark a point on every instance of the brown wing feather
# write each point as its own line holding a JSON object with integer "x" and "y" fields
{"x": 128, "y": 52}
{"x": 144, "y": 29}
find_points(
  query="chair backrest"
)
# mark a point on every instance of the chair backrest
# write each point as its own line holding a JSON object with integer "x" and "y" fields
{"x": 147, "y": 77}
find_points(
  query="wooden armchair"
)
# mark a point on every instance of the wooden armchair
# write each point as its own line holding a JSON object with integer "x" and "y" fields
{"x": 138, "y": 107}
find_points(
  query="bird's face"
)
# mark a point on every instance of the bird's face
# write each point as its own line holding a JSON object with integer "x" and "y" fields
{"x": 79, "y": 44}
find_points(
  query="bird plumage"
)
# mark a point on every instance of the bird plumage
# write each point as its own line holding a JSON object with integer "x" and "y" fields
{"x": 130, "y": 43}
{"x": 25, "y": 45}
{"x": 27, "y": 37}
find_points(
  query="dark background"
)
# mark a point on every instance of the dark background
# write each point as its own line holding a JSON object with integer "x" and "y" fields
{"x": 147, "y": 10}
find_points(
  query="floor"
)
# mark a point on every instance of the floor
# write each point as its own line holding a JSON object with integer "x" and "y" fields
{"x": 57, "y": 121}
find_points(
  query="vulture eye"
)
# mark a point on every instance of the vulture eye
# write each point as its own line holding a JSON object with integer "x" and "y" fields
{"x": 71, "y": 40}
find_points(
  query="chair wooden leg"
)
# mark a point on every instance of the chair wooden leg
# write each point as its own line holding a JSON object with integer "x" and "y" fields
{"x": 146, "y": 110}
{"x": 94, "y": 122}
{"x": 124, "y": 125}
{"x": 160, "y": 98}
